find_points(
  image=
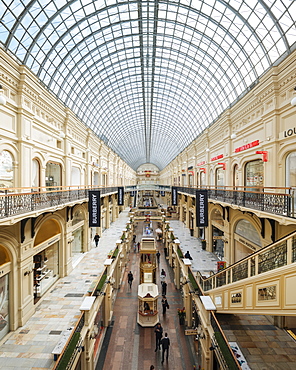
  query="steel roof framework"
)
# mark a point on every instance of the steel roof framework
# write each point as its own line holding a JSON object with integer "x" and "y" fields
{"x": 148, "y": 76}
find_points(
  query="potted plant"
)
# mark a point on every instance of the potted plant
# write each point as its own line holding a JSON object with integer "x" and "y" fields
{"x": 181, "y": 314}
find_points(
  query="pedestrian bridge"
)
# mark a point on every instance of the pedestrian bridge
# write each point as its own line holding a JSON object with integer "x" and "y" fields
{"x": 262, "y": 283}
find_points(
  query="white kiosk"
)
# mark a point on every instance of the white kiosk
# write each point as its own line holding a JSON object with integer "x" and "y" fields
{"x": 147, "y": 310}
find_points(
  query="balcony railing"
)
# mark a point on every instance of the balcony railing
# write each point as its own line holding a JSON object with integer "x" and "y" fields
{"x": 279, "y": 201}
{"x": 24, "y": 200}
{"x": 276, "y": 255}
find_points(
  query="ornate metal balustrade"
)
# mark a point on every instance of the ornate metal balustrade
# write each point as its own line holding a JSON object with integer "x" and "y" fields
{"x": 273, "y": 258}
{"x": 20, "y": 202}
{"x": 294, "y": 249}
{"x": 266, "y": 259}
{"x": 240, "y": 271}
{"x": 279, "y": 201}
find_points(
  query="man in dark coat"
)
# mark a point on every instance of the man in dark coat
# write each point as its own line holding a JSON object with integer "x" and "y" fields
{"x": 96, "y": 239}
{"x": 165, "y": 342}
{"x": 130, "y": 279}
{"x": 158, "y": 335}
{"x": 158, "y": 256}
{"x": 165, "y": 304}
{"x": 164, "y": 288}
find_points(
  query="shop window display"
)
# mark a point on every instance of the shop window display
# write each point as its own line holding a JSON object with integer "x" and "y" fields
{"x": 254, "y": 175}
{"x": 53, "y": 174}
{"x": 4, "y": 305}
{"x": 45, "y": 270}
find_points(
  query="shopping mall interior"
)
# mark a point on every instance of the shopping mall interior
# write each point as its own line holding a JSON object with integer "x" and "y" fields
{"x": 129, "y": 128}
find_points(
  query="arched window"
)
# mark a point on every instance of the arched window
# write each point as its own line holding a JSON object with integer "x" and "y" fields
{"x": 96, "y": 179}
{"x": 78, "y": 217}
{"x": 212, "y": 180}
{"x": 291, "y": 170}
{"x": 202, "y": 178}
{"x": 235, "y": 176}
{"x": 245, "y": 229}
{"x": 75, "y": 176}
{"x": 35, "y": 174}
{"x": 6, "y": 170}
{"x": 220, "y": 177}
{"x": 53, "y": 174}
{"x": 254, "y": 174}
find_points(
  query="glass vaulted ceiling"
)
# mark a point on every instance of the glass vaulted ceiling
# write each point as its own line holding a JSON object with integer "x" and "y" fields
{"x": 148, "y": 76}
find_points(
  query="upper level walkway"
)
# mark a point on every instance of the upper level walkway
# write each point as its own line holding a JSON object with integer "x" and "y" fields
{"x": 17, "y": 203}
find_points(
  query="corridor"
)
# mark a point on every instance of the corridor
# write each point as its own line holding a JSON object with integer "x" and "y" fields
{"x": 130, "y": 346}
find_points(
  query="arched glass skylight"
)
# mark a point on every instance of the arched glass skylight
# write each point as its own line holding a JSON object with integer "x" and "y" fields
{"x": 148, "y": 76}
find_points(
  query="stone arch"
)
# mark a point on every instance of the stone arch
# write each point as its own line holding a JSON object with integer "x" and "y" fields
{"x": 47, "y": 229}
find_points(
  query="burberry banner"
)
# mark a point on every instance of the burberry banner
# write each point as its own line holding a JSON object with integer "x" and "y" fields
{"x": 120, "y": 196}
{"x": 201, "y": 208}
{"x": 174, "y": 196}
{"x": 94, "y": 208}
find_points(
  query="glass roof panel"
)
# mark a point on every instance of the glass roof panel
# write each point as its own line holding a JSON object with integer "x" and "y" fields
{"x": 148, "y": 77}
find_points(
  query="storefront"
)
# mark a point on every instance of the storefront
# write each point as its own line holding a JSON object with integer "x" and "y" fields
{"x": 218, "y": 242}
{"x": 217, "y": 234}
{"x": 46, "y": 266}
{"x": 53, "y": 174}
{"x": 77, "y": 235}
{"x": 46, "y": 257}
{"x": 4, "y": 302}
{"x": 254, "y": 174}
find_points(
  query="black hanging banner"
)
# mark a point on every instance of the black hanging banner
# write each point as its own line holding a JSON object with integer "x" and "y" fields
{"x": 135, "y": 199}
{"x": 201, "y": 208}
{"x": 174, "y": 196}
{"x": 94, "y": 208}
{"x": 120, "y": 196}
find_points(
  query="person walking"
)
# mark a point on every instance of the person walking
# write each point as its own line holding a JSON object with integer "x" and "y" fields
{"x": 164, "y": 288}
{"x": 96, "y": 239}
{"x": 162, "y": 276}
{"x": 165, "y": 343}
{"x": 158, "y": 256}
{"x": 158, "y": 335}
{"x": 165, "y": 304}
{"x": 130, "y": 278}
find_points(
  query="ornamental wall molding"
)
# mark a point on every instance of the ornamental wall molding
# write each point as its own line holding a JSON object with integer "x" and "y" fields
{"x": 288, "y": 80}
{"x": 9, "y": 80}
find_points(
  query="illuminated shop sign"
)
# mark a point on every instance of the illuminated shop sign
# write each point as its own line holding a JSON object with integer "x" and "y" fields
{"x": 217, "y": 157}
{"x": 247, "y": 146}
{"x": 201, "y": 163}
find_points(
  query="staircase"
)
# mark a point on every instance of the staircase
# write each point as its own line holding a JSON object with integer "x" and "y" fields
{"x": 262, "y": 283}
